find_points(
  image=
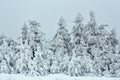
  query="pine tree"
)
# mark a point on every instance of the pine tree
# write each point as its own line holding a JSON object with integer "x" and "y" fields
{"x": 30, "y": 52}
{"x": 8, "y": 55}
{"x": 78, "y": 30}
{"x": 36, "y": 37}
{"x": 61, "y": 48}
{"x": 77, "y": 65}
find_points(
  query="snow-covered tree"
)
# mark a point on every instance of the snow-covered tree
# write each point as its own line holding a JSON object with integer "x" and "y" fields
{"x": 77, "y": 65}
{"x": 36, "y": 37}
{"x": 31, "y": 47}
{"x": 8, "y": 53}
{"x": 61, "y": 48}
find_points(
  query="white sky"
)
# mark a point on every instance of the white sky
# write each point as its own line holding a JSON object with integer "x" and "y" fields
{"x": 13, "y": 14}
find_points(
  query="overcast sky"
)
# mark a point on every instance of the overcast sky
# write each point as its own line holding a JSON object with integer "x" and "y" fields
{"x": 13, "y": 14}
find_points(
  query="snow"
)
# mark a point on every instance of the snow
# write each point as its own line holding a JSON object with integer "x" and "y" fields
{"x": 50, "y": 77}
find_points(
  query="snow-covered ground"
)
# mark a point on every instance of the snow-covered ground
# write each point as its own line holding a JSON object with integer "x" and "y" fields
{"x": 50, "y": 77}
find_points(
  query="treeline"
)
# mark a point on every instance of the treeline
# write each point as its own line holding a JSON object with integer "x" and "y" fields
{"x": 88, "y": 50}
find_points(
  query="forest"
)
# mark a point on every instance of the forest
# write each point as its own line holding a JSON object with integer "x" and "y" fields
{"x": 87, "y": 50}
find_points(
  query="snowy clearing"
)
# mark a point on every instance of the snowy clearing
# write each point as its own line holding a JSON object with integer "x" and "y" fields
{"x": 50, "y": 77}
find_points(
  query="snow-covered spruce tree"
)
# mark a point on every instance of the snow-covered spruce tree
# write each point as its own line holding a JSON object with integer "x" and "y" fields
{"x": 77, "y": 65}
{"x": 78, "y": 30}
{"x": 113, "y": 64}
{"x": 61, "y": 49}
{"x": 94, "y": 40}
{"x": 24, "y": 56}
{"x": 101, "y": 48}
{"x": 37, "y": 42}
{"x": 85, "y": 49}
{"x": 8, "y": 53}
{"x": 31, "y": 50}
{"x": 36, "y": 37}
{"x": 97, "y": 48}
{"x": 4, "y": 63}
{"x": 106, "y": 56}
